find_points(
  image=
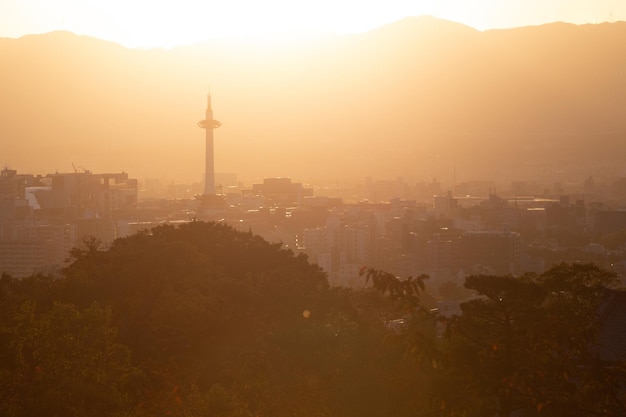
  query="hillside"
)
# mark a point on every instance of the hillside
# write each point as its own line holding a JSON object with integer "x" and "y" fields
{"x": 415, "y": 98}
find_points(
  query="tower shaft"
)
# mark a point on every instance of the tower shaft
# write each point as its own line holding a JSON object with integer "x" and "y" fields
{"x": 209, "y": 173}
{"x": 209, "y": 124}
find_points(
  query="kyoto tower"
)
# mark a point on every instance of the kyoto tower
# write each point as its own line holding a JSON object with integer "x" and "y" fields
{"x": 209, "y": 124}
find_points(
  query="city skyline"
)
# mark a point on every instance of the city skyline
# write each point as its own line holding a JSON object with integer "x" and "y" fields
{"x": 415, "y": 196}
{"x": 388, "y": 103}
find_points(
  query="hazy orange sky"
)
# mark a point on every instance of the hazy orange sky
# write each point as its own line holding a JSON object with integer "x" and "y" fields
{"x": 156, "y": 23}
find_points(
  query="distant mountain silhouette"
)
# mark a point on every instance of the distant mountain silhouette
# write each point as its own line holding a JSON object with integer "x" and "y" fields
{"x": 413, "y": 98}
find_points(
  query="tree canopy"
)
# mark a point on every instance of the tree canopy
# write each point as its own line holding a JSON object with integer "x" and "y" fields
{"x": 203, "y": 320}
{"x": 198, "y": 319}
{"x": 525, "y": 345}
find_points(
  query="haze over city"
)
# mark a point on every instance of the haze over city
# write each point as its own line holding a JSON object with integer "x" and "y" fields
{"x": 419, "y": 98}
{"x": 332, "y": 209}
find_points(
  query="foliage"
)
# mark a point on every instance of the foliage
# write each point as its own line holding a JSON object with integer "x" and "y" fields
{"x": 406, "y": 291}
{"x": 527, "y": 343}
{"x": 64, "y": 362}
{"x": 523, "y": 345}
{"x": 199, "y": 320}
{"x": 202, "y": 320}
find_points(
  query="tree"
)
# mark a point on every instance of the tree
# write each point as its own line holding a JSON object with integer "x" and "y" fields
{"x": 407, "y": 292}
{"x": 527, "y": 343}
{"x": 489, "y": 342}
{"x": 64, "y": 362}
{"x": 202, "y": 319}
{"x": 224, "y": 321}
{"x": 524, "y": 344}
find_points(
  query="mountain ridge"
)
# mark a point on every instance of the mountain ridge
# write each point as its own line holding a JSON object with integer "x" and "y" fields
{"x": 414, "y": 98}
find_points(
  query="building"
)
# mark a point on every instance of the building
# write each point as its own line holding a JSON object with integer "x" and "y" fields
{"x": 43, "y": 218}
{"x": 281, "y": 192}
{"x": 26, "y": 249}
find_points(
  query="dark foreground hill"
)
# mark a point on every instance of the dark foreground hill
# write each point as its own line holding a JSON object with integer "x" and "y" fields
{"x": 415, "y": 98}
{"x": 202, "y": 320}
{"x": 198, "y": 320}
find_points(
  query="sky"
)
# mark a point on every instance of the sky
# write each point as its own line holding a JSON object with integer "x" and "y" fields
{"x": 158, "y": 23}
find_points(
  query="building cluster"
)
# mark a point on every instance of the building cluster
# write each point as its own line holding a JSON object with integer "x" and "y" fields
{"x": 406, "y": 239}
{"x": 442, "y": 234}
{"x": 43, "y": 217}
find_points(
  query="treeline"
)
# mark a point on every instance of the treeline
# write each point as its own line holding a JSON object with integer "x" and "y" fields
{"x": 203, "y": 320}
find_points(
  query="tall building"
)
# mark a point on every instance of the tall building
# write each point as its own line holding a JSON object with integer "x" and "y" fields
{"x": 208, "y": 124}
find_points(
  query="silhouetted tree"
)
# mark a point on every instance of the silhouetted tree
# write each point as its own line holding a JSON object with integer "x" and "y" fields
{"x": 524, "y": 344}
{"x": 64, "y": 362}
{"x": 223, "y": 322}
{"x": 527, "y": 344}
{"x": 201, "y": 319}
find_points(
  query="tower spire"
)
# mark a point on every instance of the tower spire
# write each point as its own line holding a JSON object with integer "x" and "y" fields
{"x": 209, "y": 124}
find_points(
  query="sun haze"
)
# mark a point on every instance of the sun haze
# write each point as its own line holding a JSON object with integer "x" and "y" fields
{"x": 168, "y": 23}
{"x": 143, "y": 23}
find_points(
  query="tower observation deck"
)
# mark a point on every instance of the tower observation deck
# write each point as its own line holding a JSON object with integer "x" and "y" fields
{"x": 209, "y": 124}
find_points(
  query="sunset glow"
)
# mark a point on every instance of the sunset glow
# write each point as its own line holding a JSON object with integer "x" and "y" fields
{"x": 143, "y": 23}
